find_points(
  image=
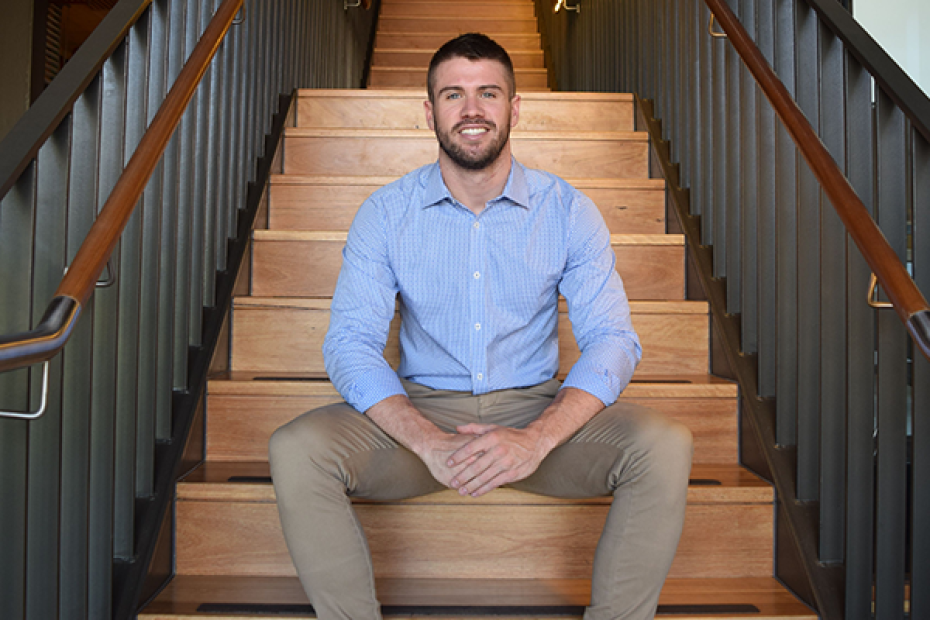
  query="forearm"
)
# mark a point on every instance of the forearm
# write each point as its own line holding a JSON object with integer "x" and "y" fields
{"x": 397, "y": 417}
{"x": 569, "y": 411}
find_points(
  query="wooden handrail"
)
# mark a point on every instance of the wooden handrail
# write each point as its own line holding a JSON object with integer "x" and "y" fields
{"x": 909, "y": 303}
{"x": 42, "y": 343}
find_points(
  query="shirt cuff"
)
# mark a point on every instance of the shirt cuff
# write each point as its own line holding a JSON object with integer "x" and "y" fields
{"x": 372, "y": 388}
{"x": 597, "y": 381}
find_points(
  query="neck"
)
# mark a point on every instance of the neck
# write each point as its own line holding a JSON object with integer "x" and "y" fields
{"x": 474, "y": 188}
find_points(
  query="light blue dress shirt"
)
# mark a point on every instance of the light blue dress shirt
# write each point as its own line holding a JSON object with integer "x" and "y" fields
{"x": 478, "y": 294}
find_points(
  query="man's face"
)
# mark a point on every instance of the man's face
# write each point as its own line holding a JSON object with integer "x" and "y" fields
{"x": 472, "y": 111}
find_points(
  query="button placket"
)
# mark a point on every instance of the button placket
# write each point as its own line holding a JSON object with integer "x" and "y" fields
{"x": 477, "y": 306}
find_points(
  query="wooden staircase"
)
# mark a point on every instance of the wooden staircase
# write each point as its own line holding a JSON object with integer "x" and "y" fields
{"x": 435, "y": 555}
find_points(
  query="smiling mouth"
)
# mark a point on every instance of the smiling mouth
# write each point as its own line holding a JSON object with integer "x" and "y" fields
{"x": 474, "y": 131}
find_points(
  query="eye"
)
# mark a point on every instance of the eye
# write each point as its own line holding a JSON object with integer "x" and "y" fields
{"x": 452, "y": 96}
{"x": 489, "y": 94}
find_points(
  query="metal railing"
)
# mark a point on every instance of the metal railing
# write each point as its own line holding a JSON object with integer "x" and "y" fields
{"x": 833, "y": 389}
{"x": 85, "y": 487}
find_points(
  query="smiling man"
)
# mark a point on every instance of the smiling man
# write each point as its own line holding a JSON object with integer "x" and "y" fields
{"x": 478, "y": 250}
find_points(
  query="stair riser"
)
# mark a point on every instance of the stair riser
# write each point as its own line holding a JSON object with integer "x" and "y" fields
{"x": 406, "y": 112}
{"x": 346, "y": 155}
{"x": 432, "y": 41}
{"x": 421, "y": 59}
{"x": 449, "y": 541}
{"x": 332, "y": 207}
{"x": 290, "y": 340}
{"x": 459, "y": 10}
{"x": 526, "y": 79}
{"x": 491, "y": 26}
{"x": 311, "y": 268}
{"x": 240, "y": 426}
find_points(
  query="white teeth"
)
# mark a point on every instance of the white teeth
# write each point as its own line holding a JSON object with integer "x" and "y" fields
{"x": 474, "y": 131}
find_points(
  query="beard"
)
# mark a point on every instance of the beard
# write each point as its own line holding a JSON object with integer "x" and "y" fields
{"x": 469, "y": 159}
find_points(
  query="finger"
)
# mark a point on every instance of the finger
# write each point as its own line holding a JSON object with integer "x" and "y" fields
{"x": 475, "y": 446}
{"x": 497, "y": 481}
{"x": 485, "y": 465}
{"x": 475, "y": 428}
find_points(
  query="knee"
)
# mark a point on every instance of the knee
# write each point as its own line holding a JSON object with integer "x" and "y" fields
{"x": 307, "y": 438}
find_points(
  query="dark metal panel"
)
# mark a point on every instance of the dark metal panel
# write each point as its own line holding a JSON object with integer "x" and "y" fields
{"x": 861, "y": 353}
{"x": 78, "y": 362}
{"x": 787, "y": 231}
{"x": 891, "y": 478}
{"x": 767, "y": 218}
{"x": 748, "y": 195}
{"x": 808, "y": 262}
{"x": 106, "y": 318}
{"x": 17, "y": 214}
{"x": 44, "y": 465}
{"x": 732, "y": 269}
{"x": 833, "y": 313}
{"x": 130, "y": 287}
{"x": 920, "y": 486}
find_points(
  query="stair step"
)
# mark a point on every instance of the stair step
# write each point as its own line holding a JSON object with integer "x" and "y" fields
{"x": 453, "y": 26}
{"x": 705, "y": 404}
{"x": 652, "y": 266}
{"x": 432, "y": 40}
{"x": 415, "y": 77}
{"x": 403, "y": 109}
{"x": 631, "y": 206}
{"x": 233, "y": 529}
{"x": 421, "y": 58}
{"x": 522, "y": 599}
{"x": 457, "y": 10}
{"x": 673, "y": 335}
{"x": 389, "y": 152}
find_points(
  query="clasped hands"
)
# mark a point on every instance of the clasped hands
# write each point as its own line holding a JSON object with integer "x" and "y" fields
{"x": 482, "y": 457}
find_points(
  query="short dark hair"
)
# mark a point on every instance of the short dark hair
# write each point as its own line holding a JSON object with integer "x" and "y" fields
{"x": 473, "y": 46}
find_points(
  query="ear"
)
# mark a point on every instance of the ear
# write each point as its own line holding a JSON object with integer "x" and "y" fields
{"x": 428, "y": 108}
{"x": 514, "y": 110}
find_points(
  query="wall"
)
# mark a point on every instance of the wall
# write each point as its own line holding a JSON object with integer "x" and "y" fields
{"x": 15, "y": 62}
{"x": 902, "y": 27}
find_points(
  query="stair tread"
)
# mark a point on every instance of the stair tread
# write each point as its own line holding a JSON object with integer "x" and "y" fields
{"x": 406, "y": 134}
{"x": 185, "y": 593}
{"x": 378, "y": 181}
{"x": 244, "y": 383}
{"x": 249, "y": 482}
{"x": 323, "y": 303}
{"x": 419, "y": 96}
{"x": 329, "y": 235}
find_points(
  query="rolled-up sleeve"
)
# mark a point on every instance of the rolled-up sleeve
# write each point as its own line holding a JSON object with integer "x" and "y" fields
{"x": 363, "y": 307}
{"x": 598, "y": 308}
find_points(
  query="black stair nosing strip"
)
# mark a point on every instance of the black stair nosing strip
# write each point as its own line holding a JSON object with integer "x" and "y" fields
{"x": 695, "y": 482}
{"x": 287, "y": 609}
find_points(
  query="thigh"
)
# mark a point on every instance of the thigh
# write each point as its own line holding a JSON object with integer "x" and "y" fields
{"x": 597, "y": 457}
{"x": 347, "y": 445}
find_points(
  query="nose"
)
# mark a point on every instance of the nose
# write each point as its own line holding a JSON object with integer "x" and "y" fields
{"x": 472, "y": 107}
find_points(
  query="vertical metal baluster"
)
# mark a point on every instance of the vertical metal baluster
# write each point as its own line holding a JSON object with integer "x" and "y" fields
{"x": 236, "y": 119}
{"x": 920, "y": 486}
{"x": 78, "y": 365}
{"x": 714, "y": 216}
{"x": 732, "y": 223}
{"x": 203, "y": 269}
{"x": 767, "y": 224}
{"x": 702, "y": 196}
{"x": 833, "y": 312}
{"x": 187, "y": 211}
{"x": 130, "y": 295}
{"x": 106, "y": 319}
{"x": 786, "y": 213}
{"x": 168, "y": 255}
{"x": 860, "y": 474}
{"x": 892, "y": 371}
{"x": 44, "y": 464}
{"x": 220, "y": 178}
{"x": 808, "y": 263}
{"x": 692, "y": 109}
{"x": 17, "y": 216}
{"x": 748, "y": 195}
{"x": 674, "y": 87}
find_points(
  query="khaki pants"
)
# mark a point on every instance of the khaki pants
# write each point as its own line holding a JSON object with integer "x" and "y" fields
{"x": 637, "y": 455}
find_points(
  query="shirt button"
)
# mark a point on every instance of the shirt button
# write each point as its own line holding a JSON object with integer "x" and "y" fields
{"x": 479, "y": 376}
{"x": 476, "y": 225}
{"x": 477, "y": 326}
{"x": 477, "y": 275}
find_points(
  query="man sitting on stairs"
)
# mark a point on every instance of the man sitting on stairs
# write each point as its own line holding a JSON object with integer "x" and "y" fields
{"x": 479, "y": 249}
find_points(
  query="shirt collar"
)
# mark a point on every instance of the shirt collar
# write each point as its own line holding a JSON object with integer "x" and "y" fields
{"x": 516, "y": 189}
